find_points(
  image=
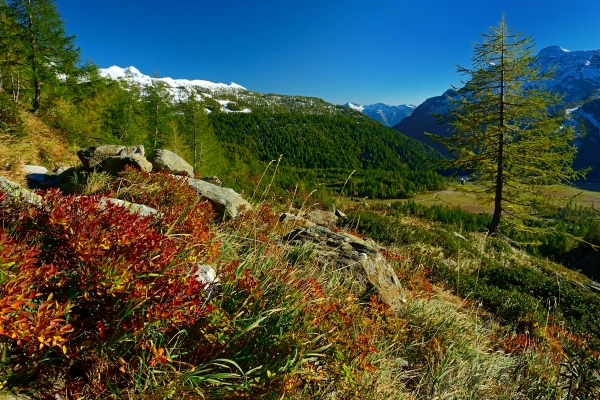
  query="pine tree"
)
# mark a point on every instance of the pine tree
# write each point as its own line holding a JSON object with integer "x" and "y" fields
{"x": 51, "y": 55}
{"x": 503, "y": 130}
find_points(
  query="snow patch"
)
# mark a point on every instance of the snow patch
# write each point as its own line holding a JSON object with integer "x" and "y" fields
{"x": 116, "y": 72}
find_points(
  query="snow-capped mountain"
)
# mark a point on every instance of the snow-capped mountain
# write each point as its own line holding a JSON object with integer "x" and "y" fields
{"x": 229, "y": 98}
{"x": 576, "y": 73}
{"x": 116, "y": 72}
{"x": 576, "y": 76}
{"x": 207, "y": 88}
{"x": 384, "y": 113}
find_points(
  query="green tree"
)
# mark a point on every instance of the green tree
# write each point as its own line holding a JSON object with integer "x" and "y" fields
{"x": 503, "y": 130}
{"x": 12, "y": 56}
{"x": 50, "y": 54}
{"x": 198, "y": 132}
{"x": 122, "y": 117}
{"x": 159, "y": 112}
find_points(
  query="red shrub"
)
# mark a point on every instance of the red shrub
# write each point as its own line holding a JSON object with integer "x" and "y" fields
{"x": 108, "y": 265}
{"x": 28, "y": 314}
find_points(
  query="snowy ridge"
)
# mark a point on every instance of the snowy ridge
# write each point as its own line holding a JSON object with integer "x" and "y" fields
{"x": 576, "y": 74}
{"x": 116, "y": 72}
{"x": 176, "y": 85}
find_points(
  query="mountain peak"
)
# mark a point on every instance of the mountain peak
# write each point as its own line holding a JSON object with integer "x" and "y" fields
{"x": 553, "y": 51}
{"x": 116, "y": 72}
{"x": 384, "y": 113}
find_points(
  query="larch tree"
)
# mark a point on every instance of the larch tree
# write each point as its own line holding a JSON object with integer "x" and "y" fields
{"x": 503, "y": 129}
{"x": 50, "y": 53}
{"x": 159, "y": 111}
{"x": 12, "y": 53}
{"x": 190, "y": 110}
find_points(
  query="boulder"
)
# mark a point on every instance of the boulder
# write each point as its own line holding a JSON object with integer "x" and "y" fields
{"x": 212, "y": 179}
{"x": 38, "y": 177}
{"x": 93, "y": 157}
{"x": 140, "y": 209}
{"x": 16, "y": 192}
{"x": 65, "y": 174}
{"x": 227, "y": 202}
{"x": 165, "y": 160}
{"x": 289, "y": 218}
{"x": 323, "y": 218}
{"x": 35, "y": 173}
{"x": 358, "y": 259}
{"x": 114, "y": 165}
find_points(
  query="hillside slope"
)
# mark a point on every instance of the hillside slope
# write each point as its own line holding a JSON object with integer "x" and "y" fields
{"x": 481, "y": 319}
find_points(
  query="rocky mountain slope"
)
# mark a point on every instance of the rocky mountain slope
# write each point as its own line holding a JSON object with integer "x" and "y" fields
{"x": 384, "y": 113}
{"x": 577, "y": 77}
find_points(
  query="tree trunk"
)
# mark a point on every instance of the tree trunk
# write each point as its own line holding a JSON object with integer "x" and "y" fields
{"x": 493, "y": 229}
{"x": 37, "y": 84}
{"x": 195, "y": 141}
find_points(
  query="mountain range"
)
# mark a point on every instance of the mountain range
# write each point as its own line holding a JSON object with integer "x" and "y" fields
{"x": 317, "y": 142}
{"x": 384, "y": 113}
{"x": 576, "y": 77}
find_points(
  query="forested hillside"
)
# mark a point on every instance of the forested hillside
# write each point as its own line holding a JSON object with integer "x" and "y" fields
{"x": 234, "y": 132}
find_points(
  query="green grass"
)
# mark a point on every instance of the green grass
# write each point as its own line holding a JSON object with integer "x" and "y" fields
{"x": 586, "y": 195}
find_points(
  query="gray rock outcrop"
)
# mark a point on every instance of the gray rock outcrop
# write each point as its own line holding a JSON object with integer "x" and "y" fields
{"x": 289, "y": 218}
{"x": 227, "y": 202}
{"x": 16, "y": 192}
{"x": 114, "y": 165}
{"x": 357, "y": 258}
{"x": 323, "y": 218}
{"x": 212, "y": 179}
{"x": 140, "y": 209}
{"x": 93, "y": 157}
{"x": 165, "y": 160}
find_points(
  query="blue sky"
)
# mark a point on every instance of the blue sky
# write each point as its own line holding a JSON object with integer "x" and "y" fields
{"x": 364, "y": 51}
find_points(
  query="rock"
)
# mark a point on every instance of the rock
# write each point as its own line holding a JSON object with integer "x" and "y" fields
{"x": 357, "y": 258}
{"x": 93, "y": 157}
{"x": 289, "y": 218}
{"x": 212, "y": 179}
{"x": 207, "y": 275}
{"x": 65, "y": 174}
{"x": 114, "y": 165}
{"x": 37, "y": 177}
{"x": 165, "y": 160}
{"x": 140, "y": 209}
{"x": 35, "y": 172}
{"x": 338, "y": 213}
{"x": 323, "y": 218}
{"x": 227, "y": 202}
{"x": 16, "y": 192}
